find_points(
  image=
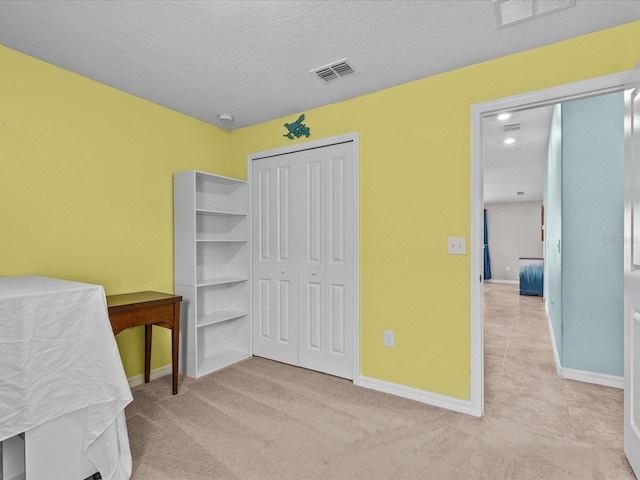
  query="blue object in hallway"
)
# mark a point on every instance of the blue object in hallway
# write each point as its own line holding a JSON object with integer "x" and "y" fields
{"x": 531, "y": 276}
{"x": 487, "y": 262}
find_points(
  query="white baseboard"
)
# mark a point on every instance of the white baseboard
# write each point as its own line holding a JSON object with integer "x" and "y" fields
{"x": 435, "y": 399}
{"x": 556, "y": 357}
{"x": 153, "y": 374}
{"x": 592, "y": 377}
{"x": 582, "y": 375}
{"x": 510, "y": 282}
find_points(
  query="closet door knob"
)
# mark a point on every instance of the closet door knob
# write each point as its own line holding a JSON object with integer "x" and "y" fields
{"x": 282, "y": 271}
{"x": 313, "y": 273}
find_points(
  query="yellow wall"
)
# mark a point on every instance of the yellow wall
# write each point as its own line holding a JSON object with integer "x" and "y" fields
{"x": 86, "y": 186}
{"x": 414, "y": 193}
{"x": 86, "y": 190}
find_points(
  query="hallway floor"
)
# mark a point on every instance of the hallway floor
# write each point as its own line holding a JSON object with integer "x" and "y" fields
{"x": 521, "y": 382}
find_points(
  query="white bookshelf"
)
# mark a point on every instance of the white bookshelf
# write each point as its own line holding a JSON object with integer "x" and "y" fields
{"x": 211, "y": 235}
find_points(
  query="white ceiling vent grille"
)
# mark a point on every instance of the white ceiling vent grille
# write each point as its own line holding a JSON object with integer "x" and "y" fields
{"x": 334, "y": 71}
{"x": 512, "y": 127}
{"x": 509, "y": 12}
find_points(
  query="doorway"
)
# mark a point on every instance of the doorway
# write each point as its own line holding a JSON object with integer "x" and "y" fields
{"x": 304, "y": 205}
{"x": 597, "y": 86}
{"x": 587, "y": 147}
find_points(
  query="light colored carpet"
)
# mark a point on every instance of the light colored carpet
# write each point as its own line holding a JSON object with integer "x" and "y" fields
{"x": 264, "y": 420}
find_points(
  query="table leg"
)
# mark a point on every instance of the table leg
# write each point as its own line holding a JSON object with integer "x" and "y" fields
{"x": 147, "y": 352}
{"x": 175, "y": 344}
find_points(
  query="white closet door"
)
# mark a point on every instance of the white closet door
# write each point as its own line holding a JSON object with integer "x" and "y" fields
{"x": 304, "y": 230}
{"x": 327, "y": 251}
{"x": 275, "y": 263}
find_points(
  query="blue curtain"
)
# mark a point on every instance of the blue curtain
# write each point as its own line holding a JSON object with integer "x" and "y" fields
{"x": 487, "y": 262}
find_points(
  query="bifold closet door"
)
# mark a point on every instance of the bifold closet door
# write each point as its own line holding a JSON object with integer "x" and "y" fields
{"x": 304, "y": 258}
{"x": 275, "y": 266}
{"x": 327, "y": 256}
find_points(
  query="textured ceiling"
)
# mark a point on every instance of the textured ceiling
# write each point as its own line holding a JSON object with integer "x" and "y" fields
{"x": 252, "y": 58}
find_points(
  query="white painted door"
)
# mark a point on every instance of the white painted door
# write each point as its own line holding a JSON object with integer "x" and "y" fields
{"x": 632, "y": 283}
{"x": 304, "y": 248}
{"x": 274, "y": 262}
{"x": 327, "y": 260}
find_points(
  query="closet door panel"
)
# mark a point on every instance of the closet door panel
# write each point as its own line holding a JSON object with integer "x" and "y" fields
{"x": 340, "y": 261}
{"x": 283, "y": 212}
{"x": 262, "y": 313}
{"x": 287, "y": 276}
{"x": 336, "y": 310}
{"x": 328, "y": 201}
{"x": 283, "y": 313}
{"x": 336, "y": 211}
{"x": 263, "y": 219}
{"x": 340, "y": 264}
{"x": 275, "y": 274}
{"x": 312, "y": 255}
{"x": 314, "y": 210}
{"x": 313, "y": 316}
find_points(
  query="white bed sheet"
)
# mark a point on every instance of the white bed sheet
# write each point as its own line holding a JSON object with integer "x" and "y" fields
{"x": 58, "y": 355}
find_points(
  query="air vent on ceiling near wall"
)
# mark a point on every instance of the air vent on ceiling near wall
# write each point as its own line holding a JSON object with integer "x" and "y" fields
{"x": 512, "y": 127}
{"x": 509, "y": 12}
{"x": 334, "y": 71}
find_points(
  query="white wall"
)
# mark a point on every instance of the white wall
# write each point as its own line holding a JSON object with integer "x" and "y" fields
{"x": 514, "y": 231}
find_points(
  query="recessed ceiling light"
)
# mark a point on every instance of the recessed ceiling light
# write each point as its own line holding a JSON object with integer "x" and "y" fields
{"x": 504, "y": 116}
{"x": 509, "y": 141}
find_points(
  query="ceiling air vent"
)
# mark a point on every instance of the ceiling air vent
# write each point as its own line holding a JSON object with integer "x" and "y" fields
{"x": 509, "y": 12}
{"x": 334, "y": 71}
{"x": 512, "y": 127}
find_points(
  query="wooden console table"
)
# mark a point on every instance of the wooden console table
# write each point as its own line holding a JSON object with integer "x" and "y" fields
{"x": 148, "y": 308}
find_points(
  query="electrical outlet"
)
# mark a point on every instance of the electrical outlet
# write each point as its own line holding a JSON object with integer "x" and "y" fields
{"x": 388, "y": 338}
{"x": 508, "y": 268}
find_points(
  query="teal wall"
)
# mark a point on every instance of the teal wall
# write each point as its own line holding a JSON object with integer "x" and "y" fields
{"x": 584, "y": 202}
{"x": 592, "y": 232}
{"x": 553, "y": 227}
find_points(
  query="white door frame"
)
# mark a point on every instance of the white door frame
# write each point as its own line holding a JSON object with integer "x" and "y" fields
{"x": 562, "y": 93}
{"x": 324, "y": 142}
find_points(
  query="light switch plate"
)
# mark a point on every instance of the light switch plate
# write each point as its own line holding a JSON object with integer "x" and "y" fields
{"x": 457, "y": 246}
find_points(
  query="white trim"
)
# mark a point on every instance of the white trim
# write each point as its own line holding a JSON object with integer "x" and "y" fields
{"x": 556, "y": 355}
{"x": 323, "y": 142}
{"x": 581, "y": 375}
{"x": 435, "y": 399}
{"x": 476, "y": 236}
{"x": 153, "y": 374}
{"x": 509, "y": 282}
{"x": 614, "y": 381}
{"x": 548, "y": 96}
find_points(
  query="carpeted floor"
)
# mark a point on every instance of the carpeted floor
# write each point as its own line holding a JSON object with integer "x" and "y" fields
{"x": 264, "y": 420}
